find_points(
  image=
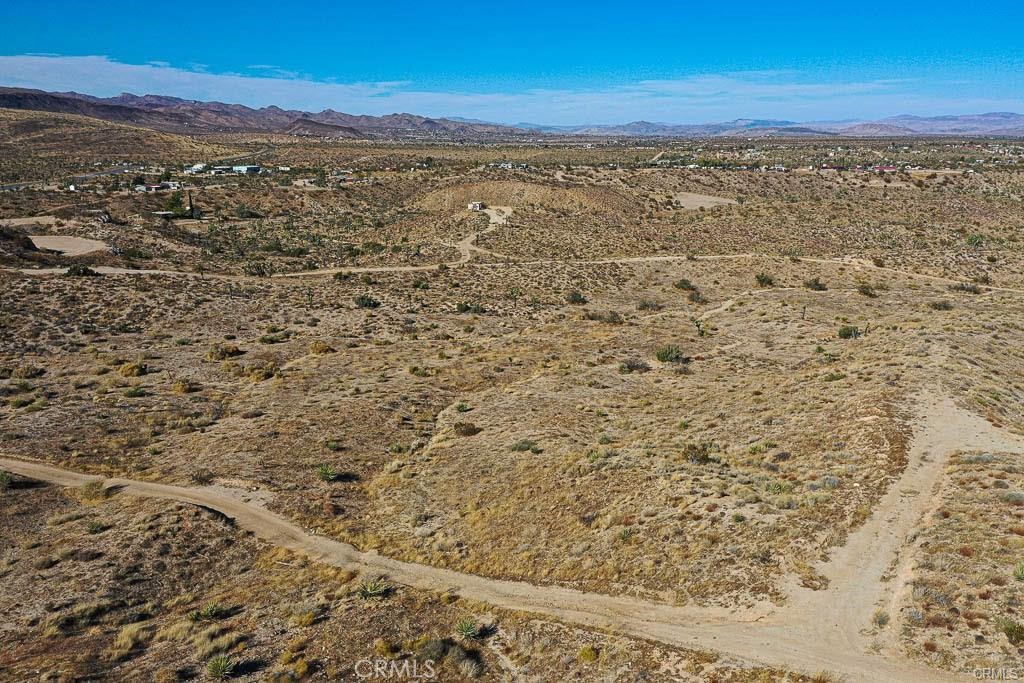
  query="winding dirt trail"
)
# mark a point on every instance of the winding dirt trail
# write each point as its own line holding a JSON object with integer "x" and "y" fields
{"x": 466, "y": 246}
{"x": 815, "y": 630}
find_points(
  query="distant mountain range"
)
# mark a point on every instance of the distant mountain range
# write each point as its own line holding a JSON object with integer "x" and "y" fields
{"x": 994, "y": 124}
{"x": 175, "y": 115}
{"x": 172, "y": 114}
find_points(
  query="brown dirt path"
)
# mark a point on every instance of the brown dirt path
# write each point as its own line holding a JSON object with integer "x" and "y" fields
{"x": 816, "y": 630}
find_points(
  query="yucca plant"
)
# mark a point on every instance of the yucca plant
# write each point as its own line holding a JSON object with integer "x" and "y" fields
{"x": 467, "y": 628}
{"x": 372, "y": 589}
{"x": 326, "y": 473}
{"x": 220, "y": 668}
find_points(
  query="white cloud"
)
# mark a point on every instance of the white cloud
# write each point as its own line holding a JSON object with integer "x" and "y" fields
{"x": 692, "y": 99}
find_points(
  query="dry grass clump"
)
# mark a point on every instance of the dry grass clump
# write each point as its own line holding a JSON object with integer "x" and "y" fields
{"x": 133, "y": 369}
{"x": 220, "y": 352}
{"x": 319, "y": 347}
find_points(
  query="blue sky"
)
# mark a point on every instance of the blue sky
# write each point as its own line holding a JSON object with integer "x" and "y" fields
{"x": 547, "y": 62}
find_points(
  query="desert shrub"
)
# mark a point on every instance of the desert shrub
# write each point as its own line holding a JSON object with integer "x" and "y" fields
{"x": 134, "y": 369}
{"x": 220, "y": 668}
{"x": 815, "y": 285}
{"x": 685, "y": 285}
{"x": 134, "y": 392}
{"x": 587, "y": 654}
{"x": 258, "y": 268}
{"x": 1013, "y": 630}
{"x": 468, "y": 628}
{"x": 967, "y": 287}
{"x": 464, "y": 307}
{"x": 849, "y": 332}
{"x": 465, "y": 429}
{"x": 262, "y": 371}
{"x": 184, "y": 386}
{"x": 365, "y": 301}
{"x": 671, "y": 354}
{"x": 1013, "y": 497}
{"x": 92, "y": 490}
{"x": 209, "y": 612}
{"x": 319, "y": 347}
{"x": 610, "y": 317}
{"x": 326, "y": 473}
{"x": 1018, "y": 571}
{"x": 633, "y": 365}
{"x": 648, "y": 305}
{"x": 219, "y": 352}
{"x": 27, "y": 371}
{"x": 374, "y": 589}
{"x": 81, "y": 270}
{"x": 880, "y": 618}
{"x": 700, "y": 453}
{"x": 867, "y": 290}
{"x": 523, "y": 445}
{"x": 5, "y": 480}
{"x": 764, "y": 280}
{"x": 575, "y": 297}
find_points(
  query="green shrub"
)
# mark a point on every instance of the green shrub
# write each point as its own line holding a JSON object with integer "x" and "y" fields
{"x": 220, "y": 668}
{"x": 526, "y": 445}
{"x": 966, "y": 287}
{"x": 366, "y": 301}
{"x": 849, "y": 332}
{"x": 81, "y": 270}
{"x": 210, "y": 612}
{"x": 1018, "y": 571}
{"x": 867, "y": 290}
{"x": 633, "y": 365}
{"x": 463, "y": 307}
{"x": 5, "y": 480}
{"x": 942, "y": 305}
{"x": 815, "y": 285}
{"x": 575, "y": 297}
{"x": 685, "y": 285}
{"x": 610, "y": 317}
{"x": 1013, "y": 630}
{"x": 671, "y": 354}
{"x": 588, "y": 654}
{"x": 326, "y": 473}
{"x": 468, "y": 628}
{"x": 374, "y": 589}
{"x": 648, "y": 305}
{"x": 764, "y": 280}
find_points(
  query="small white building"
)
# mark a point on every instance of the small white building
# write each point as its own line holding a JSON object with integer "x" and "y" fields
{"x": 246, "y": 170}
{"x": 477, "y": 206}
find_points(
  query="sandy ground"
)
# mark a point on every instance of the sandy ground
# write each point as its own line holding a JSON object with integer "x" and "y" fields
{"x": 67, "y": 245}
{"x": 692, "y": 200}
{"x": 30, "y": 220}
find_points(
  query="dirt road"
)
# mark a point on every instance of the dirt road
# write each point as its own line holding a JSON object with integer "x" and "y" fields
{"x": 815, "y": 630}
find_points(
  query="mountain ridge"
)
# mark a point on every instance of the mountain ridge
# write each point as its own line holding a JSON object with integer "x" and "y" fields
{"x": 179, "y": 115}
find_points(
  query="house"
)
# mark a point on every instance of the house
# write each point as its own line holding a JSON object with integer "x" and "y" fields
{"x": 246, "y": 170}
{"x": 477, "y": 206}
